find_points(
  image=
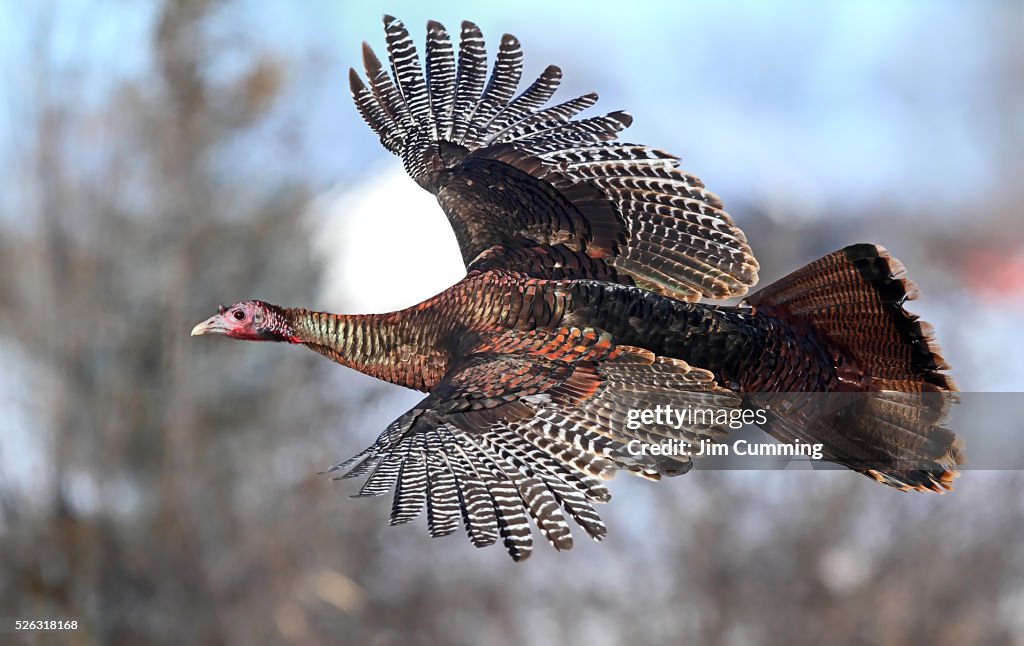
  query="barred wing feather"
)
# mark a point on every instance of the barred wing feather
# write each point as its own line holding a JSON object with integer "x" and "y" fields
{"x": 514, "y": 175}
{"x": 527, "y": 438}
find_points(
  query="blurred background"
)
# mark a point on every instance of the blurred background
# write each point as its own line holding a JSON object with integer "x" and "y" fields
{"x": 161, "y": 157}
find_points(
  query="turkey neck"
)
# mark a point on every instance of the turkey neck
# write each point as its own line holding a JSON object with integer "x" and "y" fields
{"x": 385, "y": 346}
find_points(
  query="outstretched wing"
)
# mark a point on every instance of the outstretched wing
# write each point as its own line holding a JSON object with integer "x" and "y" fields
{"x": 527, "y": 187}
{"x": 528, "y": 428}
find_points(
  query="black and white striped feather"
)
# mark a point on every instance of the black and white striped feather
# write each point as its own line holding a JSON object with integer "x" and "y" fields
{"x": 456, "y": 128}
{"x": 503, "y": 463}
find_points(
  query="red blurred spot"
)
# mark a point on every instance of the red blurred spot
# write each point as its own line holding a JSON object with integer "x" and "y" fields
{"x": 995, "y": 274}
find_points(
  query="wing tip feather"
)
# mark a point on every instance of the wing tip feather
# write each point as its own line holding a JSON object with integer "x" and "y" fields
{"x": 623, "y": 117}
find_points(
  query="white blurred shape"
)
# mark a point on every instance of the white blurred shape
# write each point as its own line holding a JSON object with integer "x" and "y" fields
{"x": 843, "y": 570}
{"x": 82, "y": 492}
{"x": 24, "y": 469}
{"x": 385, "y": 242}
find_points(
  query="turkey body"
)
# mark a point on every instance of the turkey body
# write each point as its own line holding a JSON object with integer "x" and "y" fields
{"x": 586, "y": 257}
{"x": 415, "y": 348}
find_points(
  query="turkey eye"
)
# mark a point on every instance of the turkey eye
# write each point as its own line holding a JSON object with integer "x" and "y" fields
{"x": 239, "y": 315}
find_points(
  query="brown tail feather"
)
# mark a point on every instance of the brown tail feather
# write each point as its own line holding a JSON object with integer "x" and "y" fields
{"x": 853, "y": 300}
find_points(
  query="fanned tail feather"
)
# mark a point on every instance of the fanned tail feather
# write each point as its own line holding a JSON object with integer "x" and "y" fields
{"x": 893, "y": 429}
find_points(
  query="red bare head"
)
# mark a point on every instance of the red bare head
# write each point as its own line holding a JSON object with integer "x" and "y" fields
{"x": 249, "y": 321}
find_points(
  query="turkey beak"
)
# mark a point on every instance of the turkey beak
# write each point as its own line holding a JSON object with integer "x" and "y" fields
{"x": 212, "y": 325}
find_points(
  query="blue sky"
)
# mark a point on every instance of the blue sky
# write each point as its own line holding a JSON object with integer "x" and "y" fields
{"x": 820, "y": 96}
{"x": 786, "y": 100}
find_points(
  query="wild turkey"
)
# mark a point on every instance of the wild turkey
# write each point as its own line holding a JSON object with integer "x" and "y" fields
{"x": 585, "y": 256}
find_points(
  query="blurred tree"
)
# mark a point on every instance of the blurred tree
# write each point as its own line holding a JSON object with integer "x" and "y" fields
{"x": 104, "y": 287}
{"x": 181, "y": 502}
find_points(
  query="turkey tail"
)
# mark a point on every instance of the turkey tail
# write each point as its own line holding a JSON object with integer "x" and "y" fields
{"x": 890, "y": 423}
{"x": 854, "y": 299}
